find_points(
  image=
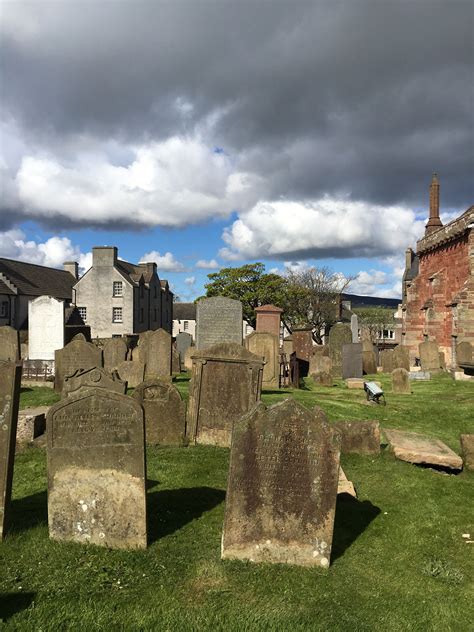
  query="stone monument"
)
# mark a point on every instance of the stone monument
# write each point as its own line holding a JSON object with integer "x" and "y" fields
{"x": 429, "y": 356}
{"x": 268, "y": 320}
{"x": 400, "y": 381}
{"x": 339, "y": 335}
{"x": 78, "y": 354}
{"x": 267, "y": 346}
{"x": 165, "y": 412}
{"x": 218, "y": 320}
{"x": 115, "y": 352}
{"x": 154, "y": 350}
{"x": 9, "y": 344}
{"x": 95, "y": 378}
{"x": 352, "y": 360}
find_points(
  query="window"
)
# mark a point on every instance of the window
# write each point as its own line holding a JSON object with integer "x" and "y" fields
{"x": 4, "y": 309}
{"x": 186, "y": 325}
{"x": 116, "y": 314}
{"x": 118, "y": 289}
{"x": 82, "y": 313}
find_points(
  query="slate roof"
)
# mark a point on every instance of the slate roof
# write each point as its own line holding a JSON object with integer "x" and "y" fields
{"x": 184, "y": 311}
{"x": 4, "y": 289}
{"x": 370, "y": 301}
{"x": 34, "y": 280}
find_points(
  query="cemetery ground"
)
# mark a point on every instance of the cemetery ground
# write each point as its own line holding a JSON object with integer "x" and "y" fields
{"x": 399, "y": 559}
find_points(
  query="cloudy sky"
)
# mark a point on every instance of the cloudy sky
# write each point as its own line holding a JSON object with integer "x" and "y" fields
{"x": 205, "y": 134}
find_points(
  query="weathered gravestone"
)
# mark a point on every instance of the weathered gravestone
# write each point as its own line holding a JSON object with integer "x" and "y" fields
{"x": 175, "y": 361}
{"x": 288, "y": 346}
{"x": 9, "y": 344}
{"x": 267, "y": 346}
{"x": 417, "y": 448}
{"x": 355, "y": 328}
{"x": 352, "y": 360}
{"x": 10, "y": 380}
{"x": 132, "y": 372}
{"x": 188, "y": 362}
{"x": 78, "y": 354}
{"x": 369, "y": 360}
{"x": 323, "y": 377}
{"x": 386, "y": 358}
{"x": 115, "y": 352}
{"x": 155, "y": 352}
{"x": 401, "y": 358}
{"x": 464, "y": 353}
{"x": 303, "y": 343}
{"x": 282, "y": 487}
{"x": 339, "y": 335}
{"x": 183, "y": 342}
{"x": 226, "y": 383}
{"x": 400, "y": 381}
{"x": 218, "y": 320}
{"x": 429, "y": 356}
{"x": 359, "y": 437}
{"x": 95, "y": 378}
{"x": 268, "y": 319}
{"x": 165, "y": 412}
{"x": 96, "y": 470}
{"x": 319, "y": 359}
{"x": 45, "y": 327}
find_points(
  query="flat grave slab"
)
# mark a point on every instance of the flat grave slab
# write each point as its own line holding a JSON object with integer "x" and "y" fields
{"x": 418, "y": 448}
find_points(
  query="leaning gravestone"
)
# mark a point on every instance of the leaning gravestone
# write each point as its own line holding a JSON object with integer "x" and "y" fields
{"x": 401, "y": 358}
{"x": 165, "y": 412}
{"x": 339, "y": 335}
{"x": 10, "y": 380}
{"x": 9, "y": 344}
{"x": 282, "y": 487}
{"x": 95, "y": 378}
{"x": 400, "y": 381}
{"x": 78, "y": 354}
{"x": 115, "y": 352}
{"x": 155, "y": 353}
{"x": 429, "y": 356}
{"x": 132, "y": 372}
{"x": 96, "y": 470}
{"x": 218, "y": 320}
{"x": 266, "y": 345}
{"x": 226, "y": 383}
{"x": 183, "y": 342}
{"x": 352, "y": 360}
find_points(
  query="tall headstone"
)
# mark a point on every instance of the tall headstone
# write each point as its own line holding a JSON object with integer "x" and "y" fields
{"x": 352, "y": 360}
{"x": 10, "y": 380}
{"x": 319, "y": 359}
{"x": 267, "y": 346}
{"x": 218, "y": 320}
{"x": 96, "y": 470}
{"x": 226, "y": 383}
{"x": 45, "y": 327}
{"x": 268, "y": 319}
{"x": 76, "y": 355}
{"x": 355, "y": 328}
{"x": 401, "y": 358}
{"x": 386, "y": 358}
{"x": 175, "y": 360}
{"x": 165, "y": 412}
{"x": 429, "y": 356}
{"x": 155, "y": 353}
{"x": 464, "y": 353}
{"x": 288, "y": 346}
{"x": 9, "y": 344}
{"x": 369, "y": 362}
{"x": 282, "y": 487}
{"x": 400, "y": 381}
{"x": 183, "y": 342}
{"x": 188, "y": 362}
{"x": 339, "y": 335}
{"x": 96, "y": 378}
{"x": 115, "y": 352}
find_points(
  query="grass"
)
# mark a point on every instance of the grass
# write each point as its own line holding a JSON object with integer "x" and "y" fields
{"x": 399, "y": 561}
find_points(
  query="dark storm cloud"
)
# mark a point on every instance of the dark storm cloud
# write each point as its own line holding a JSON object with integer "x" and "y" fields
{"x": 358, "y": 98}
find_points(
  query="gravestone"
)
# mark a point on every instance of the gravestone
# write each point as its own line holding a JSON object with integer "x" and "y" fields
{"x": 429, "y": 356}
{"x": 464, "y": 353}
{"x": 175, "y": 361}
{"x": 9, "y": 344}
{"x": 267, "y": 346}
{"x": 155, "y": 352}
{"x": 282, "y": 487}
{"x": 226, "y": 383}
{"x": 288, "y": 346}
{"x": 421, "y": 376}
{"x": 319, "y": 359}
{"x": 165, "y": 412}
{"x": 96, "y": 470}
{"x": 10, "y": 381}
{"x": 78, "y": 354}
{"x": 132, "y": 372}
{"x": 115, "y": 352}
{"x": 400, "y": 381}
{"x": 355, "y": 328}
{"x": 218, "y": 320}
{"x": 183, "y": 342}
{"x": 95, "y": 378}
{"x": 323, "y": 378}
{"x": 467, "y": 450}
{"x": 45, "y": 327}
{"x": 359, "y": 437}
{"x": 386, "y": 358}
{"x": 401, "y": 358}
{"x": 369, "y": 363}
{"x": 352, "y": 360}
{"x": 188, "y": 362}
{"x": 339, "y": 335}
{"x": 303, "y": 343}
{"x": 418, "y": 448}
{"x": 268, "y": 319}
{"x": 442, "y": 361}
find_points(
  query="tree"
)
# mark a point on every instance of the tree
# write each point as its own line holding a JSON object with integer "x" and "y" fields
{"x": 248, "y": 284}
{"x": 373, "y": 319}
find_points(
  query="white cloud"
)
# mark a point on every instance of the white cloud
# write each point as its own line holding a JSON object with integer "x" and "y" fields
{"x": 165, "y": 263}
{"x": 207, "y": 265}
{"x": 190, "y": 280}
{"x": 329, "y": 227}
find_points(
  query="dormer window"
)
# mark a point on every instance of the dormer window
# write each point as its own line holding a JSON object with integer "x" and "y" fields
{"x": 118, "y": 288}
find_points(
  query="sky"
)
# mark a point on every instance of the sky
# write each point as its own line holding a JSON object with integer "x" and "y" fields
{"x": 203, "y": 135}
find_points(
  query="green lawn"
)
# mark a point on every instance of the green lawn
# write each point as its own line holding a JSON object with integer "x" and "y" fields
{"x": 399, "y": 561}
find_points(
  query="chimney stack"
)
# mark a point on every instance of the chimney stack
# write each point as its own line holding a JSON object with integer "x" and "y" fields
{"x": 72, "y": 267}
{"x": 434, "y": 221}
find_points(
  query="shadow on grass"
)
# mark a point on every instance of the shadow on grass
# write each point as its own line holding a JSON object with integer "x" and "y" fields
{"x": 171, "y": 509}
{"x": 29, "y": 512}
{"x": 352, "y": 518}
{"x": 11, "y": 603}
{"x": 25, "y": 389}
